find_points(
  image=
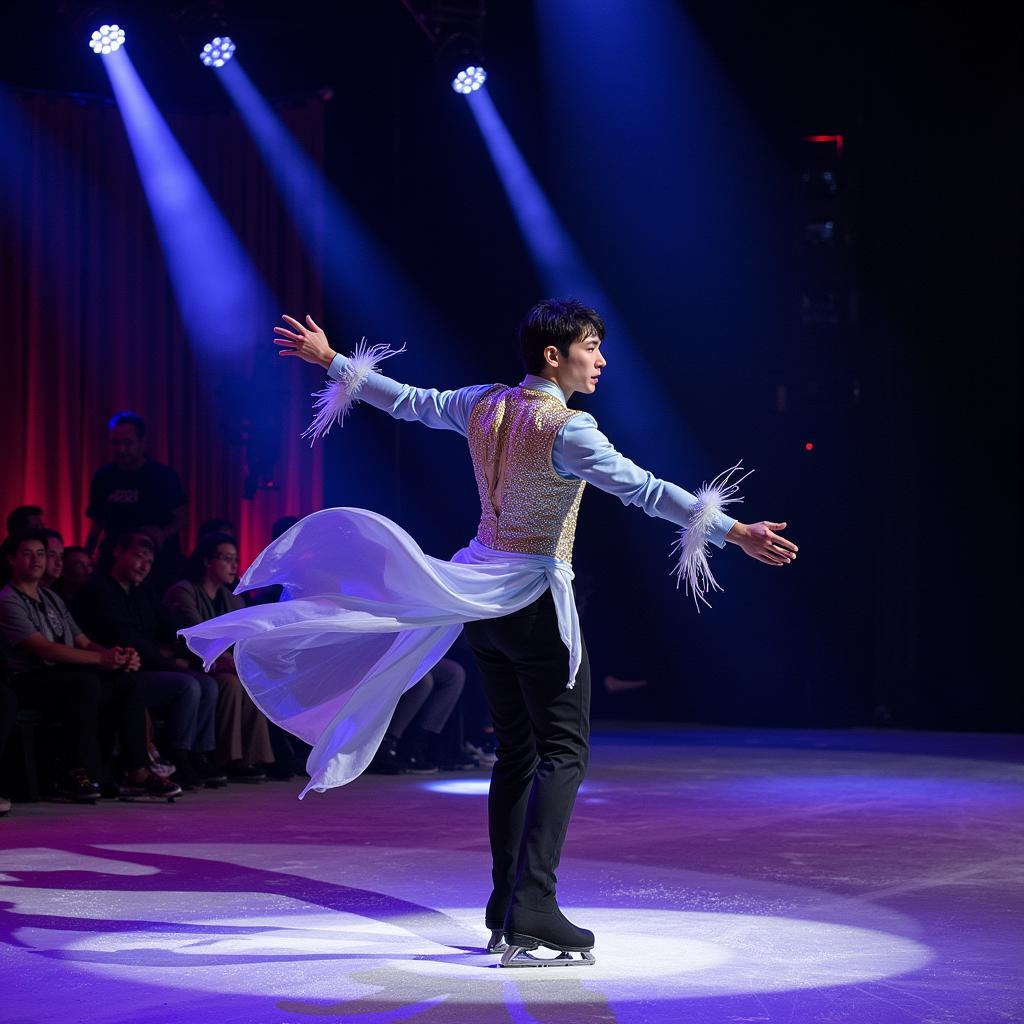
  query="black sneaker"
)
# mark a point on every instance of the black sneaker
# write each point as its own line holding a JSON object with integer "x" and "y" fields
{"x": 457, "y": 761}
{"x": 212, "y": 776}
{"x": 184, "y": 774}
{"x": 387, "y": 760}
{"x": 421, "y": 763}
{"x": 152, "y": 788}
{"x": 422, "y": 757}
{"x": 249, "y": 773}
{"x": 78, "y": 787}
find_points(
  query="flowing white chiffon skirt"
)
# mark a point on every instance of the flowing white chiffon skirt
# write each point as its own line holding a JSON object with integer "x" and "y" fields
{"x": 364, "y": 616}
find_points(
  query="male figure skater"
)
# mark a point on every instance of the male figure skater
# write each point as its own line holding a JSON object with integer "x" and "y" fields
{"x": 531, "y": 456}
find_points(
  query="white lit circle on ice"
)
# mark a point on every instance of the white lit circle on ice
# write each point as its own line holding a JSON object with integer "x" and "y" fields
{"x": 303, "y": 952}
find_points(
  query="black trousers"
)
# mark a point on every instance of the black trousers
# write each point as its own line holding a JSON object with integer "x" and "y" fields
{"x": 543, "y": 744}
{"x": 95, "y": 709}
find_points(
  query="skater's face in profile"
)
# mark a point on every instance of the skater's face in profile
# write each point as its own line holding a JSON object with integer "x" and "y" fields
{"x": 28, "y": 563}
{"x": 580, "y": 370}
{"x": 132, "y": 564}
{"x": 127, "y": 445}
{"x": 223, "y": 567}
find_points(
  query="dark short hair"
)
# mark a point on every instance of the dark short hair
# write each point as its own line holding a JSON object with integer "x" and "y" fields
{"x": 48, "y": 533}
{"x": 125, "y": 416}
{"x": 283, "y": 525}
{"x": 132, "y": 539}
{"x": 557, "y": 322}
{"x": 15, "y": 540}
{"x": 215, "y": 526}
{"x": 18, "y": 519}
{"x": 75, "y": 549}
{"x": 206, "y": 548}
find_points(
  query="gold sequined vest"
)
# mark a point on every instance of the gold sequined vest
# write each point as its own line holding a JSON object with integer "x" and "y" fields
{"x": 525, "y": 506}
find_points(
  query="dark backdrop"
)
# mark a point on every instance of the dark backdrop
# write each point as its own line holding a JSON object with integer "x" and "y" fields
{"x": 903, "y": 603}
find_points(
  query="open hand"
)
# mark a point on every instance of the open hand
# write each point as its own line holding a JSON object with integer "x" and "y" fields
{"x": 309, "y": 343}
{"x": 762, "y": 541}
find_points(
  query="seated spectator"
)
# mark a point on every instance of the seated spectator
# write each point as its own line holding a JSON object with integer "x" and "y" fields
{"x": 54, "y": 557}
{"x": 216, "y": 526}
{"x": 24, "y": 517}
{"x": 57, "y": 669}
{"x": 135, "y": 491}
{"x": 77, "y": 568}
{"x": 271, "y": 594}
{"x": 243, "y": 741}
{"x": 119, "y": 608}
{"x": 429, "y": 704}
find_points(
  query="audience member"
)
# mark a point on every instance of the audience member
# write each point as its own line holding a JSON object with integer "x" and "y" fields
{"x": 24, "y": 517}
{"x": 54, "y": 557}
{"x": 57, "y": 668}
{"x": 243, "y": 740}
{"x": 135, "y": 491}
{"x": 119, "y": 608}
{"x": 429, "y": 704}
{"x": 216, "y": 526}
{"x": 271, "y": 594}
{"x": 77, "y": 567}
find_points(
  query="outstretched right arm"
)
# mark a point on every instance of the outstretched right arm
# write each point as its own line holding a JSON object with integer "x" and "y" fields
{"x": 442, "y": 410}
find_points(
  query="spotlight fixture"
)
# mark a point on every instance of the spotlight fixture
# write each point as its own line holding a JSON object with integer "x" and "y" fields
{"x": 469, "y": 80}
{"x": 455, "y": 29}
{"x": 217, "y": 52}
{"x": 107, "y": 39}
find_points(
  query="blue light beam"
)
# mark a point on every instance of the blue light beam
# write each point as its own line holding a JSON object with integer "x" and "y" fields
{"x": 564, "y": 273}
{"x": 224, "y": 303}
{"x": 375, "y": 293}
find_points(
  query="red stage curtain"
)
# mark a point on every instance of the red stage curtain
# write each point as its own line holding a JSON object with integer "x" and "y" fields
{"x": 92, "y": 327}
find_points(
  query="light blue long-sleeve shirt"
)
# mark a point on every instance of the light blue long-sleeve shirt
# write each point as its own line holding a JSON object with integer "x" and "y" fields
{"x": 581, "y": 450}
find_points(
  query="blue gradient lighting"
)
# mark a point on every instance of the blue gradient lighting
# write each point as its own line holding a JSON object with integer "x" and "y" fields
{"x": 217, "y": 52}
{"x": 564, "y": 272}
{"x": 224, "y": 303}
{"x": 107, "y": 39}
{"x": 469, "y": 80}
{"x": 357, "y": 268}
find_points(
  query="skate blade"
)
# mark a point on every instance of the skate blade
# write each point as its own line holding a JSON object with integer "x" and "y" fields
{"x": 517, "y": 956}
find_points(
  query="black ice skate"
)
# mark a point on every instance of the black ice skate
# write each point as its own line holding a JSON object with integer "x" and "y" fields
{"x": 529, "y": 929}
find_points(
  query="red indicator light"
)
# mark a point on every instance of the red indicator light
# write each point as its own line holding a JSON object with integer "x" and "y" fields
{"x": 809, "y": 447}
{"x": 836, "y": 139}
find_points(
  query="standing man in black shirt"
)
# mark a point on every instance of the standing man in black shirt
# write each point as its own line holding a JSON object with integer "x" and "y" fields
{"x": 136, "y": 492}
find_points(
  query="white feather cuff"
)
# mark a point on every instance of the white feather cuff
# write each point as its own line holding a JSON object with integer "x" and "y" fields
{"x": 691, "y": 546}
{"x": 334, "y": 401}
